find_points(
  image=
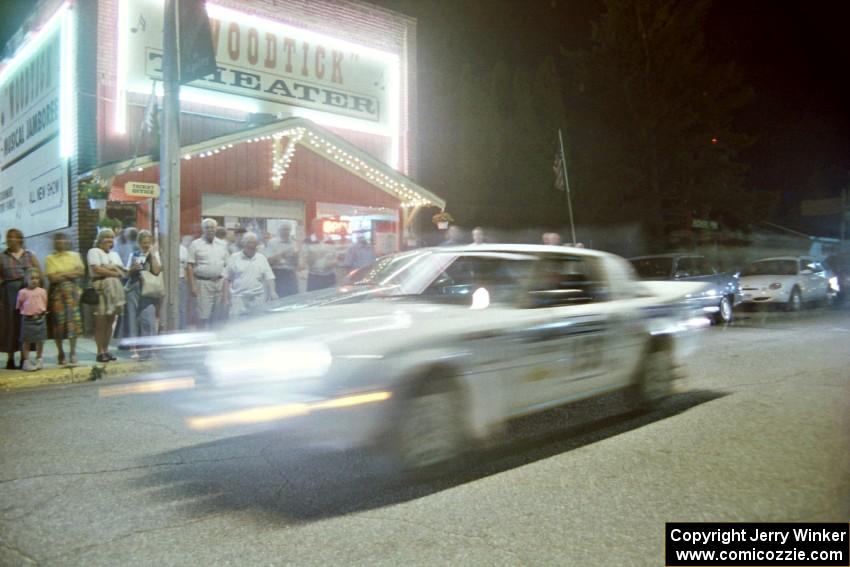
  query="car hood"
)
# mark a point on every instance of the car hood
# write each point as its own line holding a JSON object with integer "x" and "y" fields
{"x": 765, "y": 281}
{"x": 351, "y": 328}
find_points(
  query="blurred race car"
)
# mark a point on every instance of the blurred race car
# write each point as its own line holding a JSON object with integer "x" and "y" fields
{"x": 426, "y": 351}
{"x": 791, "y": 281}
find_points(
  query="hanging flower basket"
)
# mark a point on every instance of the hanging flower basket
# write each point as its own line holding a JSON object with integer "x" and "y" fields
{"x": 442, "y": 220}
{"x": 96, "y": 191}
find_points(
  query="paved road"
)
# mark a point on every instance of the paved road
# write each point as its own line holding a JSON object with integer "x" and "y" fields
{"x": 759, "y": 431}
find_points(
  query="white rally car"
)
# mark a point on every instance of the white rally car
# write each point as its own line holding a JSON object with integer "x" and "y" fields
{"x": 426, "y": 351}
{"x": 791, "y": 281}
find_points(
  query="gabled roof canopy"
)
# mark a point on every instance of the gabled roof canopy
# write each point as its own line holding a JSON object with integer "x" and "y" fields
{"x": 303, "y": 132}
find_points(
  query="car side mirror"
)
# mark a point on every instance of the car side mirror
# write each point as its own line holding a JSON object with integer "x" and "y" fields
{"x": 680, "y": 274}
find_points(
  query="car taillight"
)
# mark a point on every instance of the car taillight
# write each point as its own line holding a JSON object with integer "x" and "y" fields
{"x": 775, "y": 285}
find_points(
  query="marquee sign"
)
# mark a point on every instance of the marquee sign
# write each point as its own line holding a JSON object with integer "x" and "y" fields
{"x": 29, "y": 102}
{"x": 269, "y": 65}
{"x": 36, "y": 129}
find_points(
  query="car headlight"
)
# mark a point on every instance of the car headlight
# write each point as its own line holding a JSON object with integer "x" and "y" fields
{"x": 833, "y": 283}
{"x": 775, "y": 285}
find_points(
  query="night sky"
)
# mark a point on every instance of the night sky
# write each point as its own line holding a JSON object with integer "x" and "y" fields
{"x": 794, "y": 54}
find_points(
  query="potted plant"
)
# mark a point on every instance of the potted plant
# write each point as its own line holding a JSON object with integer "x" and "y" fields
{"x": 442, "y": 220}
{"x": 96, "y": 191}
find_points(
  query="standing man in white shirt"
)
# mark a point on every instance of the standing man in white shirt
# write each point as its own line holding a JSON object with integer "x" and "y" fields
{"x": 204, "y": 273}
{"x": 249, "y": 280}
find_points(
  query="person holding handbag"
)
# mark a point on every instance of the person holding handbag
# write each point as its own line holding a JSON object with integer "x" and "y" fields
{"x": 143, "y": 289}
{"x": 106, "y": 272}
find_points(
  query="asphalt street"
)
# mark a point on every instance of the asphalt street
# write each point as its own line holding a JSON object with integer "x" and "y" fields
{"x": 757, "y": 431}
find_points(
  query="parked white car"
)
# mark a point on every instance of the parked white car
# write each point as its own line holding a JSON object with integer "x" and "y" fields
{"x": 788, "y": 280}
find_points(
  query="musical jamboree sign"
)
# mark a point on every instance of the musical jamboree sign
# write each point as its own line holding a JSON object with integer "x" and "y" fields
{"x": 33, "y": 176}
{"x": 275, "y": 65}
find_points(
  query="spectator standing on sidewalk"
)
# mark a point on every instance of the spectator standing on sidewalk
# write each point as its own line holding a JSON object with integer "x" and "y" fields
{"x": 141, "y": 310}
{"x": 478, "y": 235}
{"x": 318, "y": 257}
{"x": 64, "y": 267}
{"x": 204, "y": 270}
{"x": 282, "y": 254}
{"x": 106, "y": 271}
{"x": 32, "y": 303}
{"x": 359, "y": 254}
{"x": 249, "y": 280}
{"x": 14, "y": 263}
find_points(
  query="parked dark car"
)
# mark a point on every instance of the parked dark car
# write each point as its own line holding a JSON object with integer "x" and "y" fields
{"x": 718, "y": 299}
{"x": 839, "y": 265}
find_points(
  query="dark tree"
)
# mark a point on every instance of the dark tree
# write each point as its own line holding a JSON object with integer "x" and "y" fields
{"x": 651, "y": 119}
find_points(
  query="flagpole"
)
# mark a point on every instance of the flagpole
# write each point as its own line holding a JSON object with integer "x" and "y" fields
{"x": 567, "y": 185}
{"x": 169, "y": 166}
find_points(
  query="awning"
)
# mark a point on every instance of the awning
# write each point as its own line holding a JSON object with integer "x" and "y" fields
{"x": 287, "y": 135}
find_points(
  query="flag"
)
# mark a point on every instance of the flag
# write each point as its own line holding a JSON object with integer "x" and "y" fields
{"x": 558, "y": 168}
{"x": 197, "y": 54}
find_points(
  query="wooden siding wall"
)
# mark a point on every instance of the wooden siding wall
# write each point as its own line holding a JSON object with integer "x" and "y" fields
{"x": 245, "y": 171}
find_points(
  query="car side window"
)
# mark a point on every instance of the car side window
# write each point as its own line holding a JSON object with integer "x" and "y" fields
{"x": 687, "y": 267}
{"x": 705, "y": 267}
{"x": 568, "y": 280}
{"x": 502, "y": 278}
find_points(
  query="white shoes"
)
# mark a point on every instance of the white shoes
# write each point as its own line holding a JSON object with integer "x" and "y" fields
{"x": 30, "y": 367}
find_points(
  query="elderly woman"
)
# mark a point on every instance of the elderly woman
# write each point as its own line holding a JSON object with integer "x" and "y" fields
{"x": 63, "y": 268}
{"x": 15, "y": 261}
{"x": 141, "y": 311}
{"x": 106, "y": 272}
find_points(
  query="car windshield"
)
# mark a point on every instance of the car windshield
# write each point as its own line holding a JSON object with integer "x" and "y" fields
{"x": 771, "y": 268}
{"x": 653, "y": 267}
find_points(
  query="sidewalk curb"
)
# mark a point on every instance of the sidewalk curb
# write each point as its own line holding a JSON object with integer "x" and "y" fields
{"x": 17, "y": 380}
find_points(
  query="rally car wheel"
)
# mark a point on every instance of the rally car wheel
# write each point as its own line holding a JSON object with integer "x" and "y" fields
{"x": 724, "y": 311}
{"x": 655, "y": 378}
{"x": 430, "y": 433}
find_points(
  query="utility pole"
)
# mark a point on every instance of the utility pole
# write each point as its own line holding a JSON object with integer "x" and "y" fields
{"x": 567, "y": 186}
{"x": 169, "y": 166}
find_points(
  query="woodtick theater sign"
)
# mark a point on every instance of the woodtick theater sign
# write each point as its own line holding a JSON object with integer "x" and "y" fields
{"x": 274, "y": 65}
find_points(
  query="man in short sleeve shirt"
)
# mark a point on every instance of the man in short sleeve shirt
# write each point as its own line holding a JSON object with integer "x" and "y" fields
{"x": 249, "y": 280}
{"x": 204, "y": 273}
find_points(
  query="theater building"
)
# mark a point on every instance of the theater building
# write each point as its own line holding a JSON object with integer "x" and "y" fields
{"x": 309, "y": 115}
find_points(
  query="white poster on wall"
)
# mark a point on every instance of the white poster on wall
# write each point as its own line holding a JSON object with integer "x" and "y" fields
{"x": 34, "y": 192}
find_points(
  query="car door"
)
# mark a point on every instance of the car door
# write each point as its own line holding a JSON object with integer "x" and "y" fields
{"x": 511, "y": 356}
{"x": 567, "y": 337}
{"x": 696, "y": 269}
